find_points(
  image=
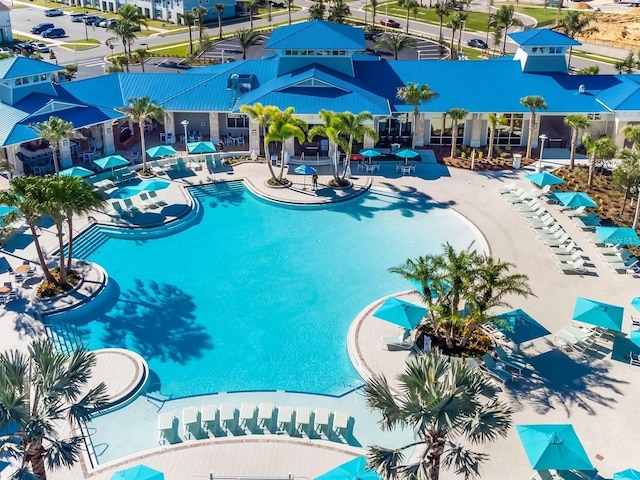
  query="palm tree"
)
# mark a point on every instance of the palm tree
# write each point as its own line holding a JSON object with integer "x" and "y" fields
{"x": 289, "y": 4}
{"x": 329, "y": 129}
{"x": 140, "y": 55}
{"x": 577, "y": 122}
{"x": 188, "y": 19}
{"x": 374, "y": 11}
{"x": 395, "y": 43}
{"x": 285, "y": 125}
{"x": 632, "y": 134}
{"x": 142, "y": 110}
{"x": 198, "y": 14}
{"x": 454, "y": 24}
{"x": 246, "y": 38}
{"x": 411, "y": 6}
{"x": 415, "y": 95}
{"x": 626, "y": 176}
{"x": 54, "y": 130}
{"x": 443, "y": 9}
{"x": 54, "y": 198}
{"x": 494, "y": 120}
{"x": 448, "y": 405}
{"x": 265, "y": 116}
{"x": 317, "y": 10}
{"x": 457, "y": 115}
{"x": 131, "y": 20}
{"x": 125, "y": 33}
{"x": 251, "y": 7}
{"x": 462, "y": 18}
{"x": 533, "y": 103}
{"x": 39, "y": 390}
{"x": 602, "y": 148}
{"x": 339, "y": 11}
{"x": 353, "y": 127}
{"x": 505, "y": 18}
{"x": 219, "y": 8}
{"x": 574, "y": 24}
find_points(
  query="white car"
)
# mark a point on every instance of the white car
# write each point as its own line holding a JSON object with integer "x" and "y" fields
{"x": 40, "y": 47}
{"x": 53, "y": 12}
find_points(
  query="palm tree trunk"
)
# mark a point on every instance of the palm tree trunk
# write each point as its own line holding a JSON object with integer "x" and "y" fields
{"x": 637, "y": 214}
{"x": 569, "y": 59}
{"x": 251, "y": 18}
{"x": 492, "y": 133}
{"x": 289, "y": 9}
{"x": 348, "y": 157}
{"x": 35, "y": 456}
{"x": 62, "y": 270}
{"x": 504, "y": 42}
{"x": 143, "y": 146}
{"x": 55, "y": 158}
{"x": 43, "y": 264}
{"x": 220, "y": 26}
{"x": 592, "y": 169}
{"x": 407, "y": 26}
{"x": 453, "y": 36}
{"x": 454, "y": 139}
{"x": 70, "y": 236}
{"x": 190, "y": 40}
{"x": 434, "y": 456}
{"x": 268, "y": 158}
{"x": 416, "y": 114}
{"x": 572, "y": 155}
{"x": 281, "y": 162}
{"x": 532, "y": 123}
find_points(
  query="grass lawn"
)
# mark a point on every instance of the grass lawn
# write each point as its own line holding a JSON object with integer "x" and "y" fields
{"x": 597, "y": 58}
{"x": 79, "y": 45}
{"x": 543, "y": 16}
{"x": 475, "y": 20}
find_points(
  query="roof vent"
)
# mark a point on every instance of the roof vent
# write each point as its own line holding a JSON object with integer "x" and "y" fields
{"x": 581, "y": 89}
{"x": 241, "y": 83}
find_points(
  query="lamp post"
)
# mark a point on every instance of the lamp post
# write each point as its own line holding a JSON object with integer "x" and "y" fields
{"x": 185, "y": 124}
{"x": 542, "y": 137}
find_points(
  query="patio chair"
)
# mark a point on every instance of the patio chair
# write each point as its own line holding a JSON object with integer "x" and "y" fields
{"x": 542, "y": 222}
{"x": 228, "y": 418}
{"x": 494, "y": 332}
{"x": 535, "y": 214}
{"x": 217, "y": 159}
{"x": 157, "y": 169}
{"x": 514, "y": 194}
{"x": 303, "y": 419}
{"x": 523, "y": 197}
{"x": 539, "y": 192}
{"x": 507, "y": 188}
{"x": 181, "y": 165}
{"x": 574, "y": 257}
{"x": 191, "y": 422}
{"x": 578, "y": 212}
{"x": 321, "y": 421}
{"x": 341, "y": 423}
{"x": 156, "y": 198}
{"x": 247, "y": 412}
{"x": 146, "y": 202}
{"x": 557, "y": 242}
{"x": 120, "y": 210}
{"x": 208, "y": 417}
{"x": 401, "y": 341}
{"x": 128, "y": 204}
{"x": 634, "y": 359}
{"x": 510, "y": 358}
{"x": 576, "y": 266}
{"x": 552, "y": 232}
{"x": 530, "y": 206}
{"x": 208, "y": 159}
{"x": 567, "y": 249}
{"x": 285, "y": 413}
{"x": 265, "y": 414}
{"x": 495, "y": 370}
{"x": 166, "y": 428}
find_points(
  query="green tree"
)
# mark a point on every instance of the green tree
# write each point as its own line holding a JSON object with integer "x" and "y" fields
{"x": 448, "y": 405}
{"x": 496, "y": 37}
{"x": 289, "y": 5}
{"x": 317, "y": 10}
{"x": 410, "y": 6}
{"x": 454, "y": 24}
{"x": 140, "y": 55}
{"x": 219, "y": 8}
{"x": 576, "y": 23}
{"x": 626, "y": 65}
{"x": 590, "y": 70}
{"x": 353, "y": 127}
{"x": 329, "y": 129}
{"x": 443, "y": 9}
{"x": 506, "y": 19}
{"x": 339, "y": 11}
{"x": 462, "y": 18}
{"x": 626, "y": 176}
{"x": 142, "y": 110}
{"x": 599, "y": 149}
{"x": 131, "y": 20}
{"x": 374, "y": 11}
{"x": 125, "y": 33}
{"x": 246, "y": 38}
{"x": 632, "y": 134}
{"x": 252, "y": 7}
{"x": 577, "y": 122}
{"x": 188, "y": 19}
{"x": 457, "y": 115}
{"x": 198, "y": 14}
{"x": 38, "y": 391}
{"x": 494, "y": 120}
{"x": 395, "y": 43}
{"x": 53, "y": 131}
{"x": 415, "y": 95}
{"x": 285, "y": 125}
{"x": 264, "y": 115}
{"x": 533, "y": 103}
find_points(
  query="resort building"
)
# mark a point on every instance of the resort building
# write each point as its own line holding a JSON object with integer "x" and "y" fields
{"x": 6, "y": 33}
{"x": 318, "y": 65}
{"x": 164, "y": 10}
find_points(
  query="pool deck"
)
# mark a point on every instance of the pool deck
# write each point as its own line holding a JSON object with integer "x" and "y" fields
{"x": 597, "y": 394}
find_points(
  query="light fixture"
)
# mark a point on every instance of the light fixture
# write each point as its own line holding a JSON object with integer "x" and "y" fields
{"x": 185, "y": 124}
{"x": 542, "y": 137}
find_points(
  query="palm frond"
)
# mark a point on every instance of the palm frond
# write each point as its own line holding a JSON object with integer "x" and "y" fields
{"x": 95, "y": 400}
{"x": 379, "y": 397}
{"x": 463, "y": 461}
{"x": 489, "y": 422}
{"x": 385, "y": 461}
{"x": 63, "y": 452}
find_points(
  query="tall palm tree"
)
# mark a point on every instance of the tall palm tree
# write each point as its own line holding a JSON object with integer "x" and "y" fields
{"x": 198, "y": 14}
{"x": 505, "y": 18}
{"x": 457, "y": 115}
{"x": 395, "y": 43}
{"x": 140, "y": 55}
{"x": 533, "y": 103}
{"x": 415, "y": 95}
{"x": 39, "y": 390}
{"x": 131, "y": 20}
{"x": 449, "y": 407}
{"x": 577, "y": 122}
{"x": 602, "y": 148}
{"x": 251, "y": 7}
{"x": 54, "y": 130}
{"x": 285, "y": 125}
{"x": 494, "y": 120}
{"x": 374, "y": 10}
{"x": 54, "y": 198}
{"x": 462, "y": 18}
{"x": 246, "y": 38}
{"x": 353, "y": 127}
{"x": 454, "y": 24}
{"x": 410, "y": 6}
{"x": 330, "y": 129}
{"x": 626, "y": 176}
{"x": 632, "y": 134}
{"x": 265, "y": 116}
{"x": 339, "y": 11}
{"x": 442, "y": 10}
{"x": 317, "y": 10}
{"x": 142, "y": 110}
{"x": 125, "y": 33}
{"x": 219, "y": 8}
{"x": 188, "y": 19}
{"x": 573, "y": 24}
{"x": 289, "y": 5}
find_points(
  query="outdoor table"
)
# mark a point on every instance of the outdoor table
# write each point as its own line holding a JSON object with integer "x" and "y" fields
{"x": 23, "y": 269}
{"x": 4, "y": 290}
{"x": 371, "y": 167}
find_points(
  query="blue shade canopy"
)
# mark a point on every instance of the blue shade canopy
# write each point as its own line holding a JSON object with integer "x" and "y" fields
{"x": 634, "y": 337}
{"x": 575, "y": 199}
{"x": 305, "y": 170}
{"x": 628, "y": 474}
{"x": 77, "y": 172}
{"x": 543, "y": 179}
{"x": 152, "y": 185}
{"x": 520, "y": 327}
{"x": 370, "y": 153}
{"x": 139, "y": 472}
{"x": 4, "y": 209}
{"x": 200, "y": 147}
{"x": 407, "y": 153}
{"x": 352, "y": 470}
{"x": 618, "y": 235}
{"x": 407, "y": 315}
{"x": 124, "y": 192}
{"x": 111, "y": 161}
{"x": 599, "y": 314}
{"x": 161, "y": 151}
{"x": 553, "y": 447}
{"x": 635, "y": 303}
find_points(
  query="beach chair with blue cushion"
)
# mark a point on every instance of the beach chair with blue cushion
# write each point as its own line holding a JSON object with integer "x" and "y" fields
{"x": 146, "y": 201}
{"x": 510, "y": 359}
{"x": 218, "y": 161}
{"x": 181, "y": 165}
{"x": 495, "y": 370}
{"x": 166, "y": 428}
{"x": 120, "y": 210}
{"x": 128, "y": 204}
{"x": 208, "y": 160}
{"x": 156, "y": 198}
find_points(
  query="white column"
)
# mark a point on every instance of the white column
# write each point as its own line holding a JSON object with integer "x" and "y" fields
{"x": 214, "y": 127}
{"x": 418, "y": 130}
{"x": 169, "y": 124}
{"x": 475, "y": 139}
{"x": 108, "y": 140}
{"x": 64, "y": 146}
{"x": 254, "y": 135}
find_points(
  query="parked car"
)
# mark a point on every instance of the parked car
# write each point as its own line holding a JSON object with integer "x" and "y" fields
{"x": 40, "y": 47}
{"x": 89, "y": 19}
{"x": 77, "y": 17}
{"x": 24, "y": 48}
{"x": 54, "y": 33}
{"x": 53, "y": 12}
{"x": 4, "y": 51}
{"x": 388, "y": 22}
{"x": 372, "y": 34}
{"x": 41, "y": 27}
{"x": 108, "y": 23}
{"x": 477, "y": 43}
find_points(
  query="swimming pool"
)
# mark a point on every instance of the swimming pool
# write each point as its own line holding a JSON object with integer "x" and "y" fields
{"x": 258, "y": 296}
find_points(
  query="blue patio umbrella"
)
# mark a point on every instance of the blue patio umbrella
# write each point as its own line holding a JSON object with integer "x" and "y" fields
{"x": 152, "y": 185}
{"x": 635, "y": 303}
{"x": 201, "y": 147}
{"x": 305, "y": 170}
{"x": 634, "y": 337}
{"x": 111, "y": 161}
{"x": 77, "y": 172}
{"x": 355, "y": 469}
{"x": 598, "y": 313}
{"x": 628, "y": 474}
{"x": 161, "y": 151}
{"x": 553, "y": 447}
{"x": 618, "y": 235}
{"x": 406, "y": 154}
{"x": 139, "y": 472}
{"x": 575, "y": 199}
{"x": 369, "y": 153}
{"x": 4, "y": 209}
{"x": 405, "y": 314}
{"x": 542, "y": 179}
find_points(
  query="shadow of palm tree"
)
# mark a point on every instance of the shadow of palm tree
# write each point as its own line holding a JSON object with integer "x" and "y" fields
{"x": 221, "y": 194}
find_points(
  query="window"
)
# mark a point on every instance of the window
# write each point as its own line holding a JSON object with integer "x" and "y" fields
{"x": 509, "y": 132}
{"x": 442, "y": 130}
{"x": 237, "y": 121}
{"x": 555, "y": 49}
{"x": 594, "y": 116}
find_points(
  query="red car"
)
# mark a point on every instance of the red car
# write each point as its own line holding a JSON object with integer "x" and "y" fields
{"x": 387, "y": 22}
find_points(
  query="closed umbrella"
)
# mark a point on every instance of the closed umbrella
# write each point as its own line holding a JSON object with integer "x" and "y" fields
{"x": 161, "y": 151}
{"x": 575, "y": 199}
{"x": 201, "y": 147}
{"x": 355, "y": 469}
{"x": 553, "y": 447}
{"x": 628, "y": 474}
{"x": 305, "y": 170}
{"x": 152, "y": 185}
{"x": 598, "y": 313}
{"x": 618, "y": 235}
{"x": 77, "y": 172}
{"x": 406, "y": 154}
{"x": 405, "y": 314}
{"x": 139, "y": 472}
{"x": 369, "y": 153}
{"x": 542, "y": 179}
{"x": 111, "y": 161}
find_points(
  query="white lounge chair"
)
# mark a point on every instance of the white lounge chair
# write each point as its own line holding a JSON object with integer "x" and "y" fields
{"x": 191, "y": 422}
{"x": 247, "y": 412}
{"x": 507, "y": 188}
{"x": 303, "y": 419}
{"x": 265, "y": 414}
{"x": 166, "y": 428}
{"x": 535, "y": 214}
{"x": 321, "y": 420}
{"x": 495, "y": 370}
{"x": 574, "y": 257}
{"x": 209, "y": 424}
{"x": 576, "y": 212}
{"x": 228, "y": 418}
{"x": 557, "y": 242}
{"x": 400, "y": 341}
{"x": 341, "y": 423}
{"x": 577, "y": 266}
{"x": 285, "y": 413}
{"x": 567, "y": 249}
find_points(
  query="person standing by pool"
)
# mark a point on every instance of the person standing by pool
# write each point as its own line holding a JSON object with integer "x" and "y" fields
{"x": 314, "y": 181}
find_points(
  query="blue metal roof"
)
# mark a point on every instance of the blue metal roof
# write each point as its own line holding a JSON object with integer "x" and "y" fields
{"x": 542, "y": 37}
{"x": 9, "y": 117}
{"x": 316, "y": 35}
{"x": 624, "y": 95}
{"x": 20, "y": 66}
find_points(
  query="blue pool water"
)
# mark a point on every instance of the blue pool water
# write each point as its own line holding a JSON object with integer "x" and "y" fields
{"x": 258, "y": 296}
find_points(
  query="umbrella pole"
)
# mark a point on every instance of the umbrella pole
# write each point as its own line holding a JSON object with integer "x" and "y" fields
{"x": 304, "y": 184}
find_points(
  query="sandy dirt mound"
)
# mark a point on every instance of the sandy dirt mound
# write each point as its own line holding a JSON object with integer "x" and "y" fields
{"x": 581, "y": 6}
{"x": 615, "y": 29}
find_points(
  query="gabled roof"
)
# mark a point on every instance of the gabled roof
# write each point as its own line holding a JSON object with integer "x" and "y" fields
{"x": 9, "y": 117}
{"x": 316, "y": 35}
{"x": 625, "y": 95}
{"x": 542, "y": 37}
{"x": 14, "y": 67}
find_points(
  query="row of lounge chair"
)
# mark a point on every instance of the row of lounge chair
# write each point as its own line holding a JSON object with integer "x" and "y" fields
{"x": 147, "y": 200}
{"x": 617, "y": 257}
{"x": 266, "y": 418}
{"x": 163, "y": 167}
